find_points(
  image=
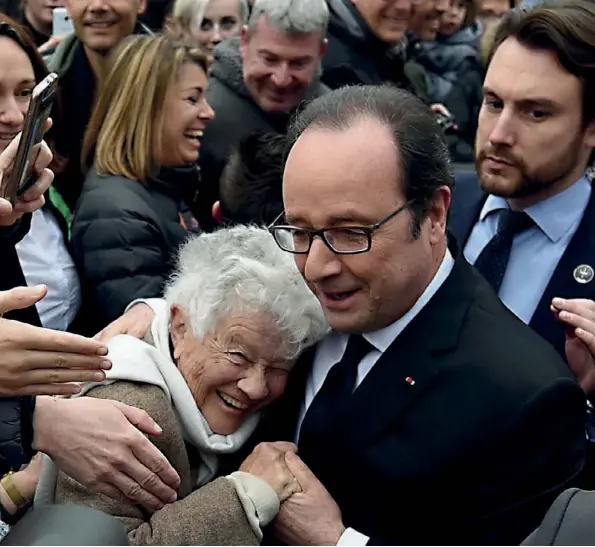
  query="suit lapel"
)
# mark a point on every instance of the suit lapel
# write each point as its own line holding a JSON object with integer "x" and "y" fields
{"x": 408, "y": 367}
{"x": 580, "y": 250}
{"x": 467, "y": 200}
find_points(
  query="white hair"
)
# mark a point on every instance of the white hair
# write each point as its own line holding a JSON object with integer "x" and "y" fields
{"x": 292, "y": 16}
{"x": 241, "y": 271}
{"x": 190, "y": 13}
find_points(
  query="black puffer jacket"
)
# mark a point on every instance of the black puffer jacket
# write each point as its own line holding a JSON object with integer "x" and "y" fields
{"x": 356, "y": 55}
{"x": 124, "y": 234}
{"x": 236, "y": 116}
{"x": 16, "y": 414}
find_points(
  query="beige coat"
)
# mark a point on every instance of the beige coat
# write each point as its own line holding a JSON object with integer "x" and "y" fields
{"x": 211, "y": 515}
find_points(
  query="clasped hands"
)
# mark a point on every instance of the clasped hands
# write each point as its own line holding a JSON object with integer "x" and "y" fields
{"x": 308, "y": 514}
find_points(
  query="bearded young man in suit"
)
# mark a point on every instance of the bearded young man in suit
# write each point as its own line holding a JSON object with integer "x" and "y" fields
{"x": 429, "y": 402}
{"x": 534, "y": 146}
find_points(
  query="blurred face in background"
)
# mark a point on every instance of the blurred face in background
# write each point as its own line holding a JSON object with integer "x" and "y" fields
{"x": 452, "y": 19}
{"x": 17, "y": 81}
{"x": 279, "y": 68}
{"x": 39, "y": 13}
{"x": 387, "y": 19}
{"x": 102, "y": 24}
{"x": 185, "y": 116}
{"x": 222, "y": 20}
{"x": 490, "y": 12}
{"x": 426, "y": 17}
{"x": 531, "y": 142}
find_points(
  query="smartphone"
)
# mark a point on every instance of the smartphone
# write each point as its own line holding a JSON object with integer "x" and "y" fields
{"x": 61, "y": 22}
{"x": 22, "y": 176}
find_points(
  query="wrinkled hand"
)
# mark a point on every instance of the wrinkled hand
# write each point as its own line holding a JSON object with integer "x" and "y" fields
{"x": 36, "y": 361}
{"x": 578, "y": 317}
{"x": 267, "y": 461}
{"x": 310, "y": 517}
{"x": 135, "y": 322}
{"x": 32, "y": 199}
{"x": 100, "y": 444}
{"x": 51, "y": 43}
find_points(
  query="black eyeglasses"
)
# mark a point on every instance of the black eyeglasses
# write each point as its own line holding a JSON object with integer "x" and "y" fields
{"x": 345, "y": 240}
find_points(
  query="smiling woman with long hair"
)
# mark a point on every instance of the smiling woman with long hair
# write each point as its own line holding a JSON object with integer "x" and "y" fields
{"x": 140, "y": 150}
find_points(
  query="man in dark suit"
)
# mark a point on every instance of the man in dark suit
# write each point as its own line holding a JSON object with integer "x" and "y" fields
{"x": 430, "y": 414}
{"x": 534, "y": 144}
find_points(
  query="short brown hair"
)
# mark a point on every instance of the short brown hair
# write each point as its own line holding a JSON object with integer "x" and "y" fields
{"x": 125, "y": 127}
{"x": 565, "y": 28}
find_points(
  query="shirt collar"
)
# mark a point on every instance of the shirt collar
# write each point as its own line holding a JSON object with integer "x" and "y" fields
{"x": 555, "y": 215}
{"x": 383, "y": 338}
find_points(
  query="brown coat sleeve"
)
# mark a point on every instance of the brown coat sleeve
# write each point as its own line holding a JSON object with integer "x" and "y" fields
{"x": 211, "y": 515}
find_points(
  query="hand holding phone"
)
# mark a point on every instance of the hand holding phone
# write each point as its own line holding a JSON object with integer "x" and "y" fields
{"x": 32, "y": 199}
{"x": 21, "y": 175}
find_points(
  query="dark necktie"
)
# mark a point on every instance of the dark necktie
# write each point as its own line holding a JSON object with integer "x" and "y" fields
{"x": 333, "y": 396}
{"x": 493, "y": 260}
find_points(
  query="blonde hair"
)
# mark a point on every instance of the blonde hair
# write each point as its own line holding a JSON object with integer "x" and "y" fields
{"x": 186, "y": 15}
{"x": 126, "y": 124}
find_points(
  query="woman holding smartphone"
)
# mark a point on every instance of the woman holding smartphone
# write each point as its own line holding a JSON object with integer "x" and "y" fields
{"x": 43, "y": 252}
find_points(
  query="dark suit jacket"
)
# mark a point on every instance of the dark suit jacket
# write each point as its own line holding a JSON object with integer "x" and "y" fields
{"x": 570, "y": 521}
{"x": 474, "y": 452}
{"x": 468, "y": 199}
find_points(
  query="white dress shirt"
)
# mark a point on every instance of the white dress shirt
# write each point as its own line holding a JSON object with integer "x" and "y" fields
{"x": 330, "y": 351}
{"x": 45, "y": 260}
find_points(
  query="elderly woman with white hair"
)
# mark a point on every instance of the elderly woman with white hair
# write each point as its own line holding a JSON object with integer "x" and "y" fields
{"x": 205, "y": 23}
{"x": 238, "y": 315}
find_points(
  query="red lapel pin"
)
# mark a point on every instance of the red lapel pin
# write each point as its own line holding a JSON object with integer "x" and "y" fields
{"x": 410, "y": 381}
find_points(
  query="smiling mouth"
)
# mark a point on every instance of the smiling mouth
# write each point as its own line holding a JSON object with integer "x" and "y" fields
{"x": 232, "y": 403}
{"x": 101, "y": 25}
{"x": 195, "y": 135}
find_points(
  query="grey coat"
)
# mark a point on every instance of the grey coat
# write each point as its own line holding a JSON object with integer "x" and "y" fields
{"x": 569, "y": 521}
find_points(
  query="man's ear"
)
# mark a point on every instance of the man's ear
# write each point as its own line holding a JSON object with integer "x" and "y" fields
{"x": 323, "y": 48}
{"x": 178, "y": 329}
{"x": 216, "y": 212}
{"x": 590, "y": 135}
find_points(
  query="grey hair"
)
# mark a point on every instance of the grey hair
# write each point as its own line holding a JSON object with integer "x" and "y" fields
{"x": 241, "y": 271}
{"x": 292, "y": 16}
{"x": 190, "y": 13}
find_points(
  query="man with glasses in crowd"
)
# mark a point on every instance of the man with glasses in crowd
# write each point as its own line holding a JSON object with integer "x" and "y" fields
{"x": 428, "y": 398}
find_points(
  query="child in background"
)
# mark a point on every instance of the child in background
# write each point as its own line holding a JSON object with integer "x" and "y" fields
{"x": 454, "y": 52}
{"x": 455, "y": 74}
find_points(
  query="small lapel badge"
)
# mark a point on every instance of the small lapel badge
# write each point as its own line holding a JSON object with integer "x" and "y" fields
{"x": 583, "y": 274}
{"x": 410, "y": 381}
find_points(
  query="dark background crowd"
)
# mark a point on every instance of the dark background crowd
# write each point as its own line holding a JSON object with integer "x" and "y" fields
{"x": 310, "y": 272}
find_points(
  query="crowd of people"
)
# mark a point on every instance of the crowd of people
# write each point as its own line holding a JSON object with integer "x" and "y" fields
{"x": 302, "y": 272}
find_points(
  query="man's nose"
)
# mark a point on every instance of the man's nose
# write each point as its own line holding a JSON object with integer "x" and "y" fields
{"x": 281, "y": 76}
{"x": 503, "y": 131}
{"x": 321, "y": 262}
